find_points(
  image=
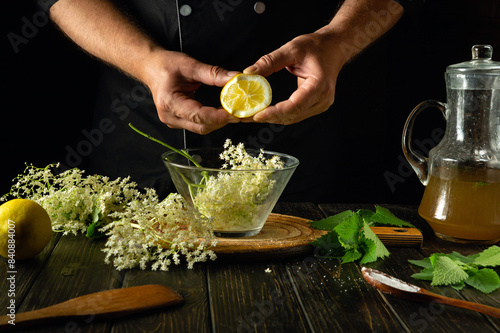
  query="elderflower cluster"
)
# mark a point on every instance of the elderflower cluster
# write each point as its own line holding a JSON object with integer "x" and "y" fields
{"x": 158, "y": 232}
{"x": 72, "y": 200}
{"x": 233, "y": 199}
{"x": 141, "y": 228}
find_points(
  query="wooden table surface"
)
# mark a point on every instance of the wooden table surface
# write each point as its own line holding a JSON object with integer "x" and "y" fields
{"x": 302, "y": 294}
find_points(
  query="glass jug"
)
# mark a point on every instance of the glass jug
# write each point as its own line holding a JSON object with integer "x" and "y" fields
{"x": 461, "y": 201}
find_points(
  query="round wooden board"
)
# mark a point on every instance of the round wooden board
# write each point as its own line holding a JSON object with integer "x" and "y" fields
{"x": 282, "y": 236}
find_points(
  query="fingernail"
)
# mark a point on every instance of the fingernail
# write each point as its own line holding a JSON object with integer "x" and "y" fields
{"x": 250, "y": 70}
{"x": 232, "y": 73}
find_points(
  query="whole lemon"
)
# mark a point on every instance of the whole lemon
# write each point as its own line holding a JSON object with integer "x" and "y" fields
{"x": 25, "y": 229}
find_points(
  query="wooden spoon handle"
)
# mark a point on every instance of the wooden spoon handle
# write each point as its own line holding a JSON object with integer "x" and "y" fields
{"x": 486, "y": 309}
{"x": 394, "y": 236}
{"x": 106, "y": 304}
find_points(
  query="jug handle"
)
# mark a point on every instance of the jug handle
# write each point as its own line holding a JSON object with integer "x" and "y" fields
{"x": 418, "y": 162}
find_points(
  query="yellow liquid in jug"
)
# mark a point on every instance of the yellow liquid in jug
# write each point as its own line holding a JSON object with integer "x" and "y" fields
{"x": 462, "y": 207}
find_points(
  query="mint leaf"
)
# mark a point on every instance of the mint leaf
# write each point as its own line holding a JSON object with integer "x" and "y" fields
{"x": 486, "y": 280}
{"x": 447, "y": 271}
{"x": 489, "y": 257}
{"x": 384, "y": 216}
{"x": 331, "y": 222}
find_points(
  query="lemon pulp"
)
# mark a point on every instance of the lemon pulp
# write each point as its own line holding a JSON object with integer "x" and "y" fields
{"x": 245, "y": 95}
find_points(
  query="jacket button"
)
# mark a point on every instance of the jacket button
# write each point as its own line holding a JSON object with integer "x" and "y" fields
{"x": 185, "y": 10}
{"x": 259, "y": 7}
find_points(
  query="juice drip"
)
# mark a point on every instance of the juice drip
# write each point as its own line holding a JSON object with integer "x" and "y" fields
{"x": 463, "y": 204}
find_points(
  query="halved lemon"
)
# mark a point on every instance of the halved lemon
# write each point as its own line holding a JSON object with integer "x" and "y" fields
{"x": 245, "y": 95}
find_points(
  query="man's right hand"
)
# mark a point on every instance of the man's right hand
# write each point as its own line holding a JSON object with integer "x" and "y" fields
{"x": 173, "y": 78}
{"x": 102, "y": 30}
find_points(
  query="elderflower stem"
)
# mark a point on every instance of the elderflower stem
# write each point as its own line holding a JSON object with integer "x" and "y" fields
{"x": 180, "y": 152}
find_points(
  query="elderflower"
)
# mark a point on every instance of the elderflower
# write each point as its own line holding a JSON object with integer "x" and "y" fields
{"x": 158, "y": 232}
{"x": 141, "y": 228}
{"x": 233, "y": 199}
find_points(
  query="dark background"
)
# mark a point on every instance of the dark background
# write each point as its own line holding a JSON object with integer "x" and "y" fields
{"x": 49, "y": 87}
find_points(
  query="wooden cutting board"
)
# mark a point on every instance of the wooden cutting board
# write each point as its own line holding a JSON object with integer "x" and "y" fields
{"x": 286, "y": 236}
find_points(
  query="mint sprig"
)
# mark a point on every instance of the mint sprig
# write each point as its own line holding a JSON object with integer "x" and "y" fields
{"x": 350, "y": 238}
{"x": 456, "y": 270}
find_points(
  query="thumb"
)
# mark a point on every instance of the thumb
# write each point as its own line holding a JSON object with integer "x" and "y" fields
{"x": 269, "y": 63}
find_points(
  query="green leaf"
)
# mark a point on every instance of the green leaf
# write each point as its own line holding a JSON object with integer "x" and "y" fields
{"x": 465, "y": 259}
{"x": 93, "y": 229}
{"x": 489, "y": 257}
{"x": 425, "y": 274}
{"x": 328, "y": 246}
{"x": 425, "y": 263}
{"x": 486, "y": 280}
{"x": 370, "y": 251}
{"x": 351, "y": 255}
{"x": 380, "y": 249}
{"x": 349, "y": 230}
{"x": 447, "y": 271}
{"x": 458, "y": 286}
{"x": 384, "y": 216}
{"x": 366, "y": 214}
{"x": 331, "y": 222}
{"x": 456, "y": 270}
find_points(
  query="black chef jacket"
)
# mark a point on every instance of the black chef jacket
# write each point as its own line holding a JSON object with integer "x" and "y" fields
{"x": 232, "y": 34}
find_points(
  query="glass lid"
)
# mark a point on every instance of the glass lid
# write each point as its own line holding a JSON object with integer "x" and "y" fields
{"x": 481, "y": 63}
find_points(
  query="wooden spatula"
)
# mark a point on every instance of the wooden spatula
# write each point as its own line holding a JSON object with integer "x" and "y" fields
{"x": 105, "y": 304}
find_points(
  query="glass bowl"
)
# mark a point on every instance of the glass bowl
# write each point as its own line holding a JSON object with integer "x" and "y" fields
{"x": 237, "y": 201}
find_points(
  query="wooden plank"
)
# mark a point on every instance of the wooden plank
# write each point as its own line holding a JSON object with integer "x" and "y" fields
{"x": 420, "y": 316}
{"x": 76, "y": 267}
{"x": 26, "y": 272}
{"x": 336, "y": 298}
{"x": 191, "y": 316}
{"x": 255, "y": 297}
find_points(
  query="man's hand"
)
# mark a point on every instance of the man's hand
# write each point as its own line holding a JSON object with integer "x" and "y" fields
{"x": 173, "y": 79}
{"x": 316, "y": 65}
{"x": 316, "y": 58}
{"x": 100, "y": 28}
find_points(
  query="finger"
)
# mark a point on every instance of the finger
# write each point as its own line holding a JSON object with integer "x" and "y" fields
{"x": 270, "y": 63}
{"x": 211, "y": 75}
{"x": 187, "y": 113}
{"x": 305, "y": 102}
